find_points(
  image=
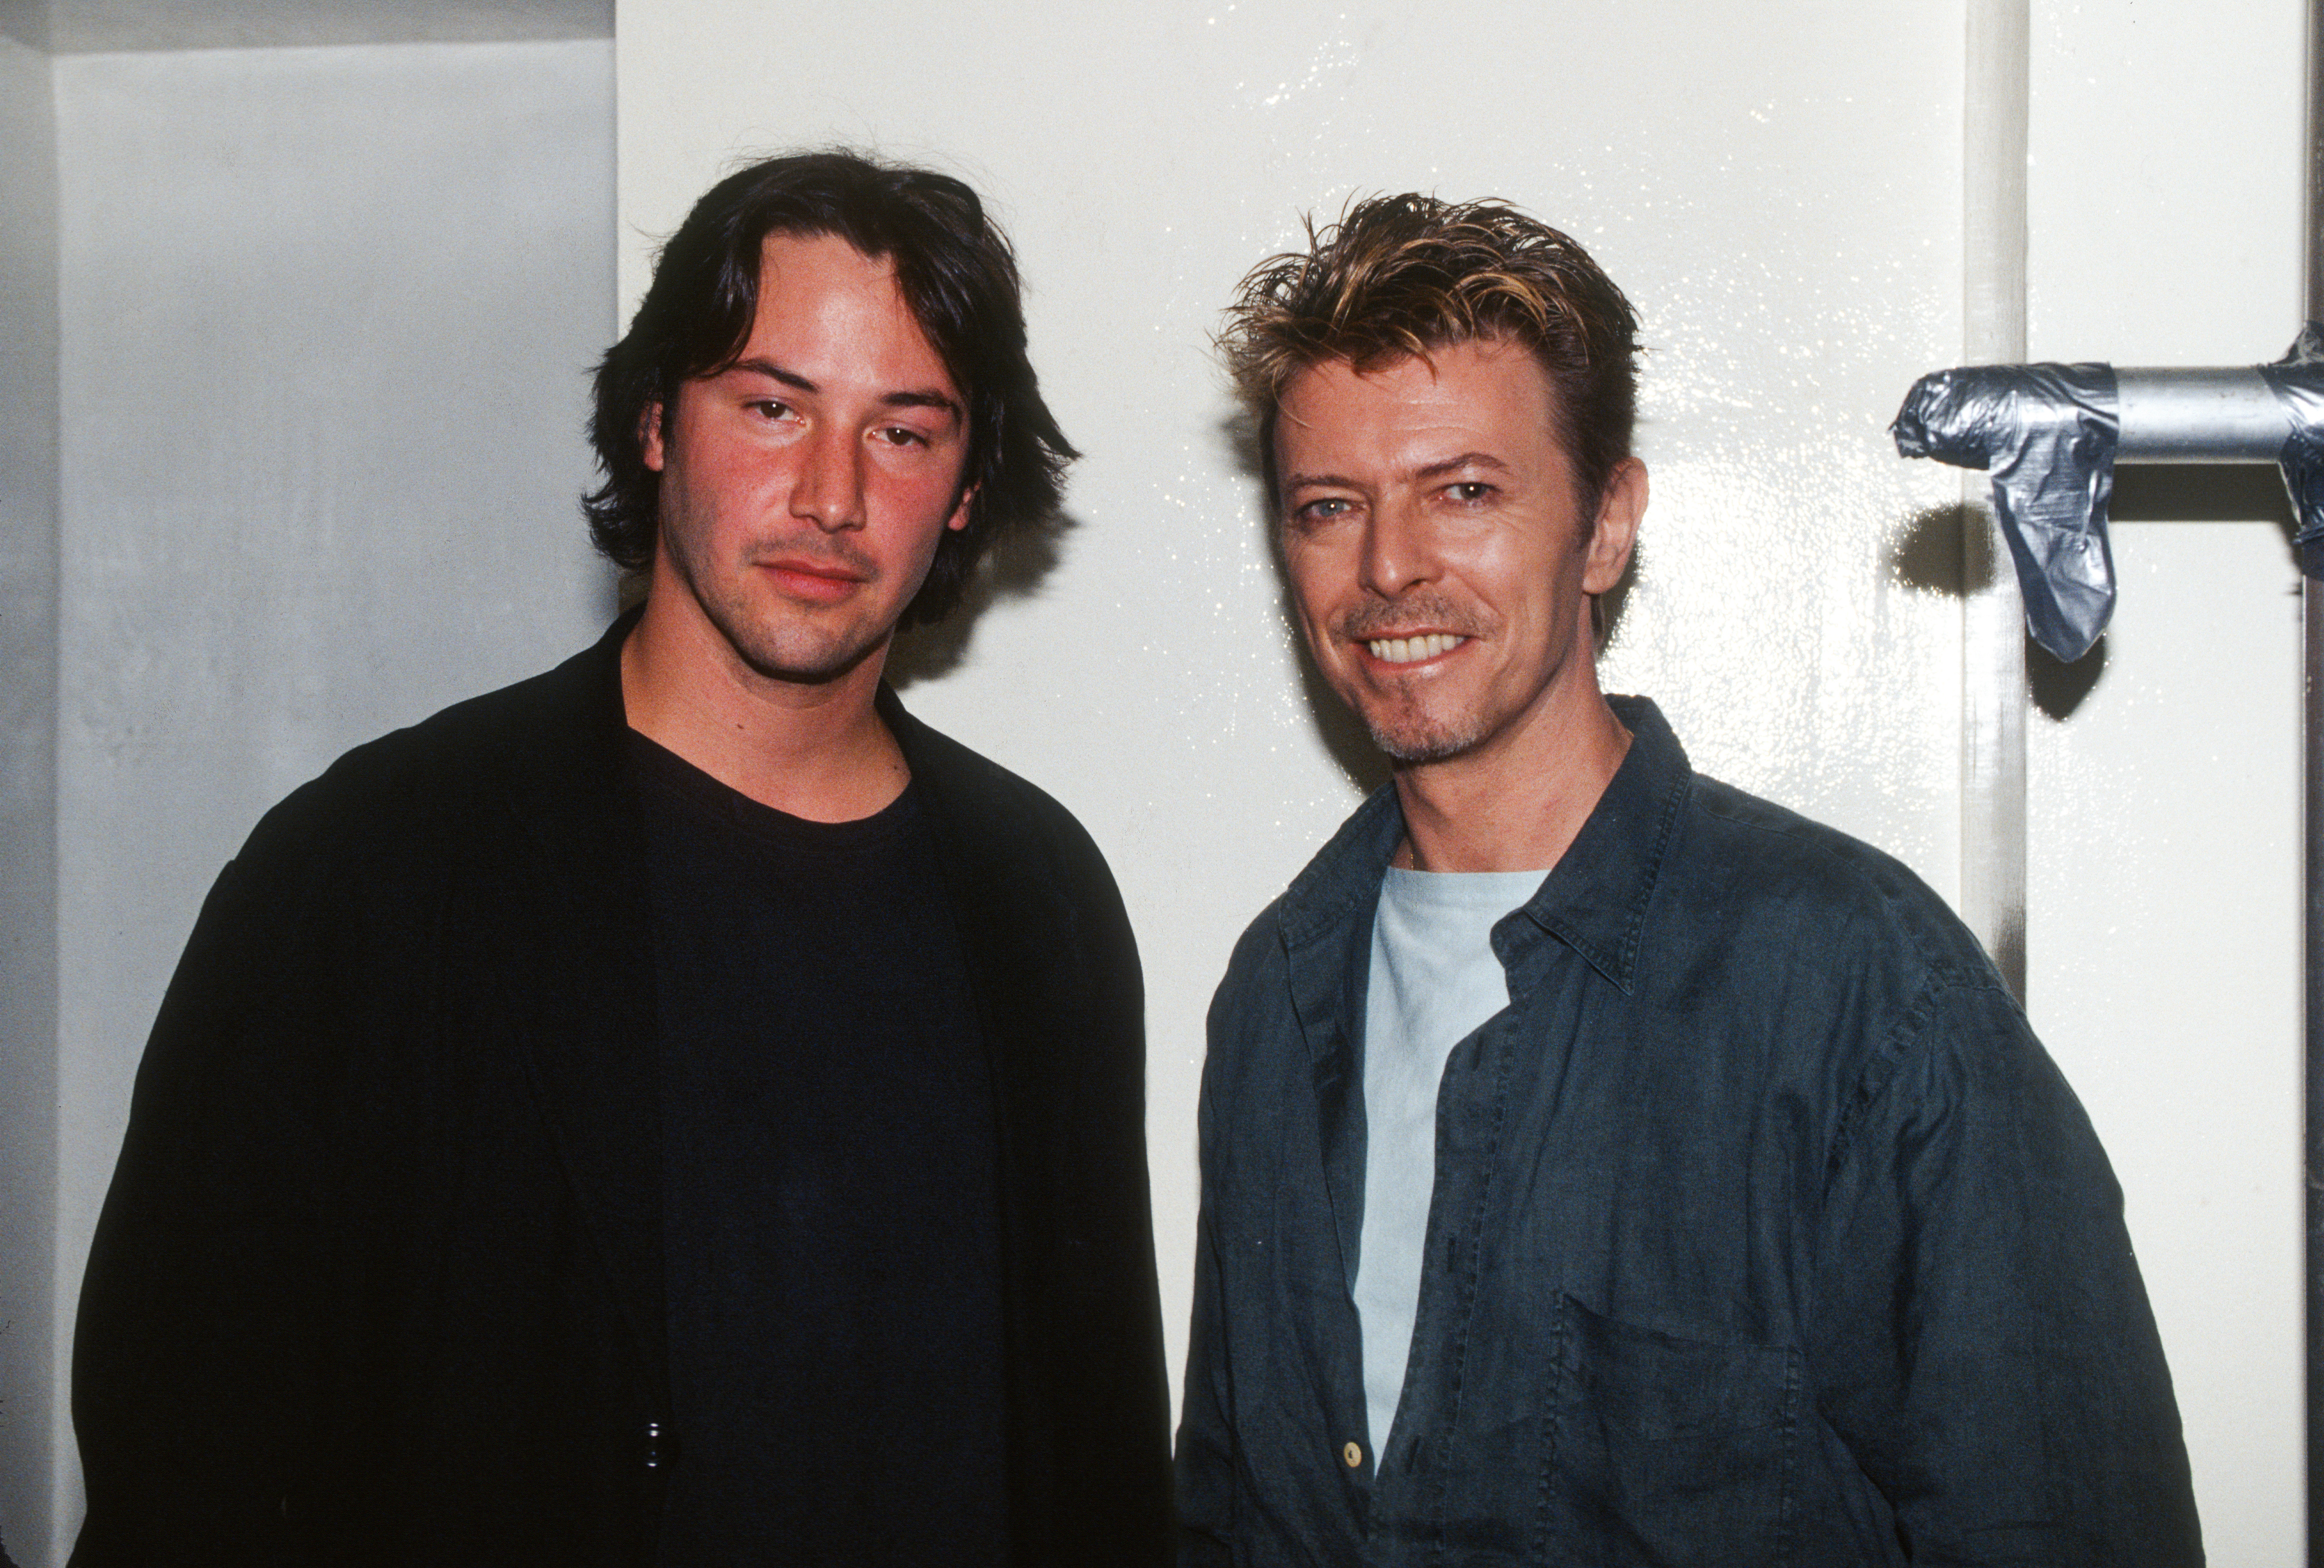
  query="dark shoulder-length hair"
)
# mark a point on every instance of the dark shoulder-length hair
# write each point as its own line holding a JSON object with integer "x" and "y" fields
{"x": 957, "y": 274}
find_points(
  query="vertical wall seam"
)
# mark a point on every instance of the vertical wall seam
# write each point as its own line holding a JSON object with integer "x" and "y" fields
{"x": 2311, "y": 832}
{"x": 31, "y": 551}
{"x": 63, "y": 1468}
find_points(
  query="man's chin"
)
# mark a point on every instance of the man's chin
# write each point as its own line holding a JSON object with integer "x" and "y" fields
{"x": 1409, "y": 739}
{"x": 811, "y": 666}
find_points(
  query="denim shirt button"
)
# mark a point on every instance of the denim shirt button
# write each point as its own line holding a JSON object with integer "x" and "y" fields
{"x": 1353, "y": 1454}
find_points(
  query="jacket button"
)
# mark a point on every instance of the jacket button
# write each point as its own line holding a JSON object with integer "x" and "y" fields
{"x": 1354, "y": 1454}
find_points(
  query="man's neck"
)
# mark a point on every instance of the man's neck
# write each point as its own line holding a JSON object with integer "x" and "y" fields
{"x": 814, "y": 749}
{"x": 1515, "y": 804}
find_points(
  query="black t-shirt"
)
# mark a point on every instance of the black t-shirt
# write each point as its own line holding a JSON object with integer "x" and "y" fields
{"x": 829, "y": 1188}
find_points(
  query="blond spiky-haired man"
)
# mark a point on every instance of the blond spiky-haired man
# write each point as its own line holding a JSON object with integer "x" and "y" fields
{"x": 1601, "y": 1165}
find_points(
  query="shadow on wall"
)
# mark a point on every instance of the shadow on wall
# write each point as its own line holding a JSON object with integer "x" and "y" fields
{"x": 1014, "y": 568}
{"x": 1937, "y": 553}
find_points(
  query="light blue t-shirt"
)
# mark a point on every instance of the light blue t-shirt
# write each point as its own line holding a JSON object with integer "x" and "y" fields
{"x": 1434, "y": 980}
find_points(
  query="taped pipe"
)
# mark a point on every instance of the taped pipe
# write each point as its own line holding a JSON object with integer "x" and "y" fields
{"x": 2050, "y": 436}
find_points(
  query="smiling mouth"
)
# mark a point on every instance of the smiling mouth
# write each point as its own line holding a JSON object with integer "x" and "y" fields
{"x": 1413, "y": 649}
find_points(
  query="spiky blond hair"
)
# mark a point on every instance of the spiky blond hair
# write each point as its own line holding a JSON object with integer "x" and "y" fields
{"x": 1409, "y": 274}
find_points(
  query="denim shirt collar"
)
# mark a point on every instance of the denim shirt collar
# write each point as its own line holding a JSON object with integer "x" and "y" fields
{"x": 1596, "y": 898}
{"x": 1595, "y": 902}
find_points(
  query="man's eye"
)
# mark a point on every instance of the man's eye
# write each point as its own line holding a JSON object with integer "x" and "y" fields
{"x": 771, "y": 409}
{"x": 901, "y": 436}
{"x": 1321, "y": 510}
{"x": 1468, "y": 490}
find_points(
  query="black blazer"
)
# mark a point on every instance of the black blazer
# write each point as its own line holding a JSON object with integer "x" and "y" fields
{"x": 379, "y": 1279}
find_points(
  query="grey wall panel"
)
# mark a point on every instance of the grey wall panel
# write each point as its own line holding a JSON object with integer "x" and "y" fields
{"x": 91, "y": 26}
{"x": 28, "y": 727}
{"x": 328, "y": 317}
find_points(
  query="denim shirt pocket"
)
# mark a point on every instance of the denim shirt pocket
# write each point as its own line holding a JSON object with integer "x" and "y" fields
{"x": 1666, "y": 1451}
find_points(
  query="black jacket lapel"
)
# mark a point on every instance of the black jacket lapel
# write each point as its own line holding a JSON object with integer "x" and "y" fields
{"x": 576, "y": 951}
{"x": 1055, "y": 972}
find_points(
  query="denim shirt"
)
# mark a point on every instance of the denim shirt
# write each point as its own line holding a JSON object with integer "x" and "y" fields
{"x": 1764, "y": 1232}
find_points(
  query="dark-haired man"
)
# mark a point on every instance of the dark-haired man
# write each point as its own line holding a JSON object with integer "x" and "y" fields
{"x": 677, "y": 1109}
{"x": 1600, "y": 1166}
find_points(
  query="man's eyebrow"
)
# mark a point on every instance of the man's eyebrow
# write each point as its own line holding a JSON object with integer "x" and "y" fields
{"x": 773, "y": 372}
{"x": 1437, "y": 470}
{"x": 928, "y": 398}
{"x": 1426, "y": 471}
{"x": 1314, "y": 480}
{"x": 910, "y": 398}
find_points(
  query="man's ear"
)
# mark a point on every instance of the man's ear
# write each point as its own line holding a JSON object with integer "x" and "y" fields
{"x": 649, "y": 436}
{"x": 1615, "y": 531}
{"x": 959, "y": 517}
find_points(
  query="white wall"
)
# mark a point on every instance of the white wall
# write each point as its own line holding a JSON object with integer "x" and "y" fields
{"x": 328, "y": 316}
{"x": 2164, "y": 812}
{"x": 1780, "y": 190}
{"x": 28, "y": 719}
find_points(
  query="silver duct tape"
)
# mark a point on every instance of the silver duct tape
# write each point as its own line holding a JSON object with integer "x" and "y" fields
{"x": 2297, "y": 380}
{"x": 2046, "y": 434}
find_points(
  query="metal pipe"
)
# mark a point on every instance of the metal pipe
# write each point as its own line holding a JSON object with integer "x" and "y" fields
{"x": 2198, "y": 416}
{"x": 2313, "y": 827}
{"x": 1994, "y": 129}
{"x": 2312, "y": 1099}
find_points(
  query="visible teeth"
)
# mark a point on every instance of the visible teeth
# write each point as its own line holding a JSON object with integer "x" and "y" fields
{"x": 1411, "y": 650}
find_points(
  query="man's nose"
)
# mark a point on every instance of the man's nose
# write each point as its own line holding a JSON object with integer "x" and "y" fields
{"x": 1399, "y": 551}
{"x": 829, "y": 489}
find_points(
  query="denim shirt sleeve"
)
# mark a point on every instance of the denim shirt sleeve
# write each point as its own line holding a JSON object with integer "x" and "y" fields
{"x": 1981, "y": 1340}
{"x": 1204, "y": 1462}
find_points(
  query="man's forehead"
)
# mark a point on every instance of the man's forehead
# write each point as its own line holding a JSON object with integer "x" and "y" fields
{"x": 798, "y": 269}
{"x": 822, "y": 297}
{"x": 1474, "y": 379}
{"x": 1425, "y": 360}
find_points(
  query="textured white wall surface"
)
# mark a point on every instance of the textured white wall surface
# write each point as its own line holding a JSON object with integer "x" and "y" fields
{"x": 328, "y": 316}
{"x": 2163, "y": 808}
{"x": 1775, "y": 187}
{"x": 28, "y": 728}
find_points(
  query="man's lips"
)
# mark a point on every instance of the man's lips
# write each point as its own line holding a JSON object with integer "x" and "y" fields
{"x": 1412, "y": 648}
{"x": 825, "y": 581}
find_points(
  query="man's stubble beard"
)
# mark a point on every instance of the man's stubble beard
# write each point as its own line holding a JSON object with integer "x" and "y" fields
{"x": 1429, "y": 745}
{"x": 1420, "y": 739}
{"x": 794, "y": 648}
{"x": 1411, "y": 736}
